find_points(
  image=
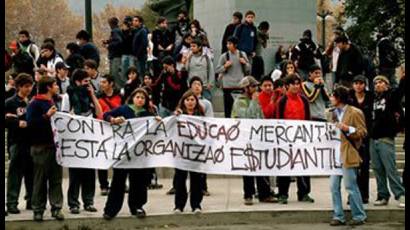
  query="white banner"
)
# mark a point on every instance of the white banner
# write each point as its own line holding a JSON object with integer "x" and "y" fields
{"x": 201, "y": 144}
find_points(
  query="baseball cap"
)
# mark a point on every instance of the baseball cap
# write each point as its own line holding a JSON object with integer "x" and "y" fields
{"x": 61, "y": 65}
{"x": 248, "y": 81}
{"x": 360, "y": 78}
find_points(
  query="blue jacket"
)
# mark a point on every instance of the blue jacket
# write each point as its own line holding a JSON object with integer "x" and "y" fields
{"x": 90, "y": 51}
{"x": 115, "y": 43}
{"x": 38, "y": 123}
{"x": 246, "y": 33}
{"x": 140, "y": 42}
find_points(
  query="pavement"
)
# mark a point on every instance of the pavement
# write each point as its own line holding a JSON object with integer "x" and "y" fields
{"x": 223, "y": 207}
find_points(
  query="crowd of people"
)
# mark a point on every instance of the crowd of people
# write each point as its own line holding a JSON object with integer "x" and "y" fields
{"x": 170, "y": 71}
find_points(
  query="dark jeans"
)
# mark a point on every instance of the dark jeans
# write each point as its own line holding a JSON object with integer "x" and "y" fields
{"x": 303, "y": 183}
{"x": 46, "y": 172}
{"x": 137, "y": 194}
{"x": 81, "y": 178}
{"x": 181, "y": 194}
{"x": 262, "y": 184}
{"x": 21, "y": 165}
{"x": 258, "y": 68}
{"x": 228, "y": 101}
{"x": 141, "y": 63}
{"x": 103, "y": 179}
{"x": 363, "y": 170}
{"x": 203, "y": 182}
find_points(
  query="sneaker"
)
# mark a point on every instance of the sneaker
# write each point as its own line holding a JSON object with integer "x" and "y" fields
{"x": 307, "y": 198}
{"x": 402, "y": 202}
{"x": 155, "y": 186}
{"x": 171, "y": 191}
{"x": 206, "y": 193}
{"x": 104, "y": 192}
{"x": 38, "y": 216}
{"x": 141, "y": 213}
{"x": 90, "y": 208}
{"x": 283, "y": 200}
{"x": 127, "y": 189}
{"x": 107, "y": 217}
{"x": 57, "y": 214}
{"x": 248, "y": 201}
{"x": 381, "y": 202}
{"x": 269, "y": 199}
{"x": 197, "y": 211}
{"x": 335, "y": 222}
{"x": 13, "y": 210}
{"x": 356, "y": 222}
{"x": 177, "y": 211}
{"x": 75, "y": 210}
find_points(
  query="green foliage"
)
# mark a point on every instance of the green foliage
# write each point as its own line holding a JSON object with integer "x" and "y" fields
{"x": 371, "y": 16}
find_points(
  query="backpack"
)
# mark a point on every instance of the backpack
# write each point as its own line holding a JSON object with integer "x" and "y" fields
{"x": 228, "y": 57}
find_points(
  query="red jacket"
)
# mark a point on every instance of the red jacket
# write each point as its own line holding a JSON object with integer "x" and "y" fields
{"x": 268, "y": 105}
{"x": 293, "y": 107}
{"x": 109, "y": 103}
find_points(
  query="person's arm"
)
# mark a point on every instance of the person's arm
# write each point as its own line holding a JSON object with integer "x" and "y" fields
{"x": 247, "y": 65}
{"x": 357, "y": 129}
{"x": 211, "y": 73}
{"x": 11, "y": 118}
{"x": 254, "y": 109}
{"x": 113, "y": 113}
{"x": 220, "y": 67}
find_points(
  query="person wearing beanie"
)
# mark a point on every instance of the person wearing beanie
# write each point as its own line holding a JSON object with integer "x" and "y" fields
{"x": 387, "y": 121}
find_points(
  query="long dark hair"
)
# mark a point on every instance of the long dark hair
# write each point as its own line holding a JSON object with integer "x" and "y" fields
{"x": 285, "y": 65}
{"x": 146, "y": 105}
{"x": 198, "y": 110}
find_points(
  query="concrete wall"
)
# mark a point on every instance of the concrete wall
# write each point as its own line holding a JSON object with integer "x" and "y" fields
{"x": 287, "y": 18}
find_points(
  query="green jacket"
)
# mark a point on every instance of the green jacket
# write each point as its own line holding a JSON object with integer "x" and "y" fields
{"x": 244, "y": 107}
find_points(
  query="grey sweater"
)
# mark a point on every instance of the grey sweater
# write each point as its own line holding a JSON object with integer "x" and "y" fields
{"x": 201, "y": 66}
{"x": 234, "y": 74}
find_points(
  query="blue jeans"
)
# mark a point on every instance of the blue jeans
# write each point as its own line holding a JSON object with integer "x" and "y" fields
{"x": 126, "y": 62}
{"x": 355, "y": 199}
{"x": 383, "y": 158}
{"x": 115, "y": 71}
{"x": 141, "y": 67}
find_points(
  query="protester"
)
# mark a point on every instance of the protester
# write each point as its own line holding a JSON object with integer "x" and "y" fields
{"x": 266, "y": 97}
{"x": 387, "y": 120}
{"x": 262, "y": 36}
{"x": 132, "y": 83}
{"x": 189, "y": 104}
{"x": 247, "y": 106}
{"x": 87, "y": 49}
{"x": 349, "y": 63}
{"x": 21, "y": 61}
{"x": 351, "y": 123}
{"x": 288, "y": 67}
{"x": 90, "y": 66}
{"x": 230, "y": 29}
{"x": 74, "y": 59}
{"x": 21, "y": 163}
{"x": 315, "y": 91}
{"x": 114, "y": 44}
{"x": 181, "y": 28}
{"x": 246, "y": 34}
{"x": 280, "y": 56}
{"x": 200, "y": 65}
{"x": 387, "y": 57}
{"x": 62, "y": 77}
{"x": 81, "y": 101}
{"x": 127, "y": 59}
{"x": 109, "y": 99}
{"x": 138, "y": 106}
{"x": 46, "y": 171}
{"x": 293, "y": 106}
{"x": 28, "y": 46}
{"x": 140, "y": 44}
{"x": 305, "y": 53}
{"x": 232, "y": 67}
{"x": 363, "y": 100}
{"x": 163, "y": 39}
{"x": 10, "y": 89}
{"x": 49, "y": 54}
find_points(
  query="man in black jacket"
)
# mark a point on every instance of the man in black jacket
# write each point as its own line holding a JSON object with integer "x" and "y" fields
{"x": 386, "y": 119}
{"x": 304, "y": 54}
{"x": 388, "y": 58}
{"x": 21, "y": 163}
{"x": 87, "y": 49}
{"x": 230, "y": 29}
{"x": 113, "y": 44}
{"x": 349, "y": 63}
{"x": 140, "y": 44}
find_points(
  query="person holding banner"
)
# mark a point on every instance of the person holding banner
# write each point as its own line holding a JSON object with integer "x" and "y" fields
{"x": 350, "y": 120}
{"x": 293, "y": 106}
{"x": 247, "y": 106}
{"x": 189, "y": 105}
{"x": 138, "y": 178}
